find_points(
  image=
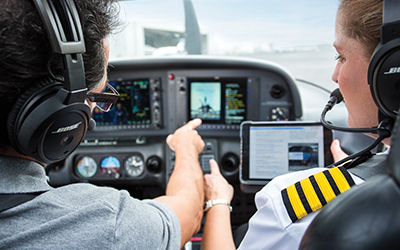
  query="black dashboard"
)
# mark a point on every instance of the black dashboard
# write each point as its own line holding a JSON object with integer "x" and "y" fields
{"x": 158, "y": 95}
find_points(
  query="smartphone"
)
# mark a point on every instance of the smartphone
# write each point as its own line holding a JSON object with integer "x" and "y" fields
{"x": 270, "y": 149}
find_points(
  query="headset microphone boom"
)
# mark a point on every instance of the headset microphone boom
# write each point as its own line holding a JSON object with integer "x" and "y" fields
{"x": 383, "y": 129}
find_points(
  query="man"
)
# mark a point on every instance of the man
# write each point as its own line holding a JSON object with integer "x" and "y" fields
{"x": 80, "y": 216}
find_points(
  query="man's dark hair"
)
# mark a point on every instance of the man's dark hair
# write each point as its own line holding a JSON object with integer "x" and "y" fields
{"x": 25, "y": 51}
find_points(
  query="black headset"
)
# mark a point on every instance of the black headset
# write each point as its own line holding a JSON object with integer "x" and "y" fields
{"x": 50, "y": 118}
{"x": 384, "y": 67}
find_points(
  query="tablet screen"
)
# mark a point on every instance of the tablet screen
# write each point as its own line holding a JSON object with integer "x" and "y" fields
{"x": 270, "y": 149}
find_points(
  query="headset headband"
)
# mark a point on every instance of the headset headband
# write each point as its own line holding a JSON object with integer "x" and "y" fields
{"x": 391, "y": 19}
{"x": 63, "y": 26}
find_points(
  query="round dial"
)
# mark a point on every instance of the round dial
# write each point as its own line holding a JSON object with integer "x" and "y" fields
{"x": 110, "y": 166}
{"x": 134, "y": 165}
{"x": 86, "y": 167}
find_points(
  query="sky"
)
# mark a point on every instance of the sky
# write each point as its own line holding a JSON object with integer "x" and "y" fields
{"x": 245, "y": 24}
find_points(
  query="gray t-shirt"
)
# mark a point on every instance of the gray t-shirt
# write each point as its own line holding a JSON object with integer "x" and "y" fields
{"x": 80, "y": 216}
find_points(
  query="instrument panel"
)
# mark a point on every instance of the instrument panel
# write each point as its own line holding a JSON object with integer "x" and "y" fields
{"x": 160, "y": 94}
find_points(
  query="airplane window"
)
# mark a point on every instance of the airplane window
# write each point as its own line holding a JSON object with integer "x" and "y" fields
{"x": 296, "y": 34}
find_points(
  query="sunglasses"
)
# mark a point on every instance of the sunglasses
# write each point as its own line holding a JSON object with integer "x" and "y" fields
{"x": 104, "y": 101}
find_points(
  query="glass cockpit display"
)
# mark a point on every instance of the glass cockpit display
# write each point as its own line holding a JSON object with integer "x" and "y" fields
{"x": 219, "y": 101}
{"x": 205, "y": 100}
{"x": 132, "y": 107}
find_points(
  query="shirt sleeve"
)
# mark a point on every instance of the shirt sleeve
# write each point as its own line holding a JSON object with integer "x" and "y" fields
{"x": 147, "y": 224}
{"x": 271, "y": 227}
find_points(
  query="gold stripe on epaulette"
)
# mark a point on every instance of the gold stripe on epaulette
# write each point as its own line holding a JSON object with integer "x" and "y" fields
{"x": 340, "y": 181}
{"x": 325, "y": 186}
{"x": 312, "y": 193}
{"x": 296, "y": 202}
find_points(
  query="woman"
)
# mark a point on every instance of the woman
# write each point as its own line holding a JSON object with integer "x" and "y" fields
{"x": 357, "y": 34}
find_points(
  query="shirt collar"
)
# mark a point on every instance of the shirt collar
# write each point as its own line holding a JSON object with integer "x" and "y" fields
{"x": 20, "y": 175}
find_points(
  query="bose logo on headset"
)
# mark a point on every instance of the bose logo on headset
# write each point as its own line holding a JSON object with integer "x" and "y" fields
{"x": 393, "y": 70}
{"x": 66, "y": 129}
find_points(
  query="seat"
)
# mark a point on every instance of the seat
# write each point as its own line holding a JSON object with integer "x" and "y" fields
{"x": 365, "y": 217}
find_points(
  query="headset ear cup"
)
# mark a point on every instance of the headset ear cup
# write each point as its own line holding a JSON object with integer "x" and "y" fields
{"x": 42, "y": 126}
{"x": 384, "y": 78}
{"x": 47, "y": 85}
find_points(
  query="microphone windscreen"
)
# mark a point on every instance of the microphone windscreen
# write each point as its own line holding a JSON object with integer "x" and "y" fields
{"x": 338, "y": 95}
{"x": 92, "y": 124}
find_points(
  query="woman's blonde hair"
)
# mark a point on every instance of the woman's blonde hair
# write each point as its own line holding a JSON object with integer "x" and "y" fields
{"x": 361, "y": 20}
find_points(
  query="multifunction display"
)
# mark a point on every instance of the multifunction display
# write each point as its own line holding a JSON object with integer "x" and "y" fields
{"x": 133, "y": 106}
{"x": 218, "y": 101}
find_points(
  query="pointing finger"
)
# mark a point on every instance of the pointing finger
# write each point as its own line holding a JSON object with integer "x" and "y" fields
{"x": 214, "y": 167}
{"x": 194, "y": 123}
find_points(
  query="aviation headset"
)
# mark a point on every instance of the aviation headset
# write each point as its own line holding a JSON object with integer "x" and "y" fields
{"x": 50, "y": 118}
{"x": 384, "y": 81}
{"x": 384, "y": 67}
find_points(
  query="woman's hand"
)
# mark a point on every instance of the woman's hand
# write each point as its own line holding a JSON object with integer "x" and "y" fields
{"x": 215, "y": 185}
{"x": 337, "y": 152}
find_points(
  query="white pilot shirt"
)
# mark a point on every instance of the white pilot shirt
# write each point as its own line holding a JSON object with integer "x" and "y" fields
{"x": 271, "y": 227}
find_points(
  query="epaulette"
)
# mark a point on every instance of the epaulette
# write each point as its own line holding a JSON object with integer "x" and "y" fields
{"x": 314, "y": 192}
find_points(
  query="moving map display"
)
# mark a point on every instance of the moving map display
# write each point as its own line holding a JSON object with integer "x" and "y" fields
{"x": 132, "y": 107}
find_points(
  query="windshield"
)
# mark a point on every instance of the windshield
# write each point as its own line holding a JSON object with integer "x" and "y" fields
{"x": 297, "y": 34}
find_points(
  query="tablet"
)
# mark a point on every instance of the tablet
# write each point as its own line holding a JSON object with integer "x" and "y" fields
{"x": 270, "y": 149}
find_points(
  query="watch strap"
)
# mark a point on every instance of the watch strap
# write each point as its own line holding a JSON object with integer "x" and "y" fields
{"x": 210, "y": 203}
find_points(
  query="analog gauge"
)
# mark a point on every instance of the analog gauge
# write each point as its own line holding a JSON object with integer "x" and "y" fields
{"x": 87, "y": 167}
{"x": 110, "y": 165}
{"x": 134, "y": 166}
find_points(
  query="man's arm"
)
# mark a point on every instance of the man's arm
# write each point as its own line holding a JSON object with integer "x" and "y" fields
{"x": 185, "y": 194}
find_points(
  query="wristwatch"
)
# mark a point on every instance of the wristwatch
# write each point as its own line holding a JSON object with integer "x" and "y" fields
{"x": 209, "y": 204}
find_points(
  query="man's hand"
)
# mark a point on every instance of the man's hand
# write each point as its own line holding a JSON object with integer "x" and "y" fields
{"x": 186, "y": 137}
